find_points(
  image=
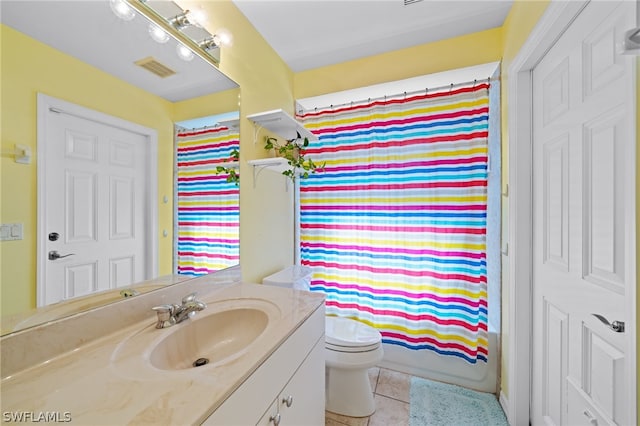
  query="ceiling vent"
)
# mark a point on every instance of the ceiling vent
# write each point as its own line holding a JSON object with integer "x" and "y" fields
{"x": 152, "y": 65}
{"x": 408, "y": 2}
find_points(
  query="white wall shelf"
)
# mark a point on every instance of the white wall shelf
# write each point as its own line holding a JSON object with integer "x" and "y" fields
{"x": 283, "y": 125}
{"x": 280, "y": 123}
{"x": 273, "y": 164}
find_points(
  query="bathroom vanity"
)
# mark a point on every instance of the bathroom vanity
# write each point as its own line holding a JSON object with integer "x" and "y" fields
{"x": 263, "y": 345}
{"x": 285, "y": 388}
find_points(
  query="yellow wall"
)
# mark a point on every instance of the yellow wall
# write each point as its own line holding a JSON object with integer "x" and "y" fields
{"x": 473, "y": 49}
{"x": 203, "y": 106}
{"x": 29, "y": 67}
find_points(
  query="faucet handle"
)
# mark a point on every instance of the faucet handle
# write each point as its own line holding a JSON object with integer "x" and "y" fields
{"x": 189, "y": 298}
{"x": 163, "y": 308}
{"x": 165, "y": 315}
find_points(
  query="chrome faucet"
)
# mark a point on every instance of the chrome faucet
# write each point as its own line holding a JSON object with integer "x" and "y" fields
{"x": 172, "y": 314}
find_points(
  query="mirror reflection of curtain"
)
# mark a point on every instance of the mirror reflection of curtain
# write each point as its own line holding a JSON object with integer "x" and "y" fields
{"x": 394, "y": 228}
{"x": 208, "y": 220}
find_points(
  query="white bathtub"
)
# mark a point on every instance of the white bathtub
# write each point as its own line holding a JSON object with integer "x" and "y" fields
{"x": 449, "y": 369}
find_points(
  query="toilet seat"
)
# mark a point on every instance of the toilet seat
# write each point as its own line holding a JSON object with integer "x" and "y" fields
{"x": 341, "y": 348}
{"x": 347, "y": 335}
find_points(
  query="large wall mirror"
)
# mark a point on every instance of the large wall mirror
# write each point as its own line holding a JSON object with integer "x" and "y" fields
{"x": 80, "y": 54}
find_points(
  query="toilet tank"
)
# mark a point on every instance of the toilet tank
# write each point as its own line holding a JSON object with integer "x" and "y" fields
{"x": 298, "y": 277}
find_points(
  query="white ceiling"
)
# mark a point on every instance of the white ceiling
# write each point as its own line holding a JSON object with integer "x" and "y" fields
{"x": 312, "y": 33}
{"x": 89, "y": 31}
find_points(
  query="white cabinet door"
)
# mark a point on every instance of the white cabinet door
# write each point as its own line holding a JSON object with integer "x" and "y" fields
{"x": 302, "y": 400}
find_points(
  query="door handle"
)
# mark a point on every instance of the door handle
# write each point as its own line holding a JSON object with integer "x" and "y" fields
{"x": 617, "y": 326}
{"x": 54, "y": 255}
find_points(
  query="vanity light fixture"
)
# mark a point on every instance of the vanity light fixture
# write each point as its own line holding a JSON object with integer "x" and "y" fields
{"x": 221, "y": 38}
{"x": 209, "y": 43}
{"x": 172, "y": 20}
{"x": 196, "y": 18}
{"x": 122, "y": 10}
{"x": 158, "y": 34}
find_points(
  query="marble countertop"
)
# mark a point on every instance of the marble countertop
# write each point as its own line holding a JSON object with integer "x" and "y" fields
{"x": 110, "y": 380}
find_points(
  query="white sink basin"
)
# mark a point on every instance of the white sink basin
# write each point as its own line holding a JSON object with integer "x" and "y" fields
{"x": 224, "y": 333}
{"x": 212, "y": 339}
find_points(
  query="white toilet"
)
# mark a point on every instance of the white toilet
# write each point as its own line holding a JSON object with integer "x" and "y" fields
{"x": 351, "y": 348}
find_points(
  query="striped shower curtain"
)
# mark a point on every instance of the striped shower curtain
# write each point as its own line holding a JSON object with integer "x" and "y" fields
{"x": 394, "y": 228}
{"x": 208, "y": 206}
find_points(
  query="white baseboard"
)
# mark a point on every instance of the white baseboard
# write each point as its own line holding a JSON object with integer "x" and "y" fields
{"x": 504, "y": 403}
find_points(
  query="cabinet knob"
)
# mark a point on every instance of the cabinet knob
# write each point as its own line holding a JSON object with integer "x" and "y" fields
{"x": 275, "y": 419}
{"x": 288, "y": 400}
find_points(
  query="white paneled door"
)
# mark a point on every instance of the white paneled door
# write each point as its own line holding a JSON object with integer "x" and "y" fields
{"x": 583, "y": 186}
{"x": 94, "y": 206}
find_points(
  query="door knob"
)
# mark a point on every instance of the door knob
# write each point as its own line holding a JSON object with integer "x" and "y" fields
{"x": 617, "y": 326}
{"x": 54, "y": 255}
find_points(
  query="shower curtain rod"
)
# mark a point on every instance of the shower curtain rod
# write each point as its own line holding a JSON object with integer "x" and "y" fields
{"x": 405, "y": 94}
{"x": 196, "y": 129}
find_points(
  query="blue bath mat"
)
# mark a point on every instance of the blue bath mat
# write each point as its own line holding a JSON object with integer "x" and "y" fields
{"x": 441, "y": 404}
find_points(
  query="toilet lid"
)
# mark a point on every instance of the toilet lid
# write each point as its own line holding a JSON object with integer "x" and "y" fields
{"x": 347, "y": 332}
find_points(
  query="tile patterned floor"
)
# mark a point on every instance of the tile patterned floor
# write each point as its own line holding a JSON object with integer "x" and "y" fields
{"x": 391, "y": 393}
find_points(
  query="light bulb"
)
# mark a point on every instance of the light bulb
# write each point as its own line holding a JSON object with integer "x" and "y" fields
{"x": 122, "y": 10}
{"x": 158, "y": 34}
{"x": 197, "y": 17}
{"x": 184, "y": 52}
{"x": 223, "y": 37}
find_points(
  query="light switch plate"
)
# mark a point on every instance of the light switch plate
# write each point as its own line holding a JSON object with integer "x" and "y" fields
{"x": 11, "y": 231}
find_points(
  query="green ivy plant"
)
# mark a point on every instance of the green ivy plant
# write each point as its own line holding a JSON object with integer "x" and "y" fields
{"x": 293, "y": 150}
{"x": 232, "y": 175}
